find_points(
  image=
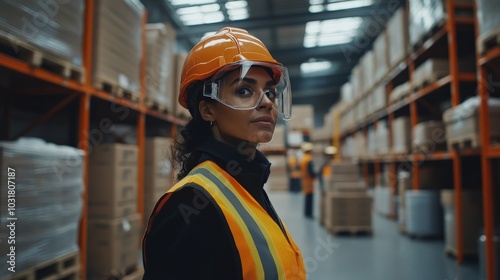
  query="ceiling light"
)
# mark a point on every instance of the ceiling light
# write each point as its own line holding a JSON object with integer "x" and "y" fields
{"x": 210, "y": 8}
{"x": 316, "y": 2}
{"x": 316, "y": 8}
{"x": 334, "y": 40}
{"x": 213, "y": 17}
{"x": 238, "y": 17}
{"x": 191, "y": 2}
{"x": 310, "y": 41}
{"x": 191, "y": 17}
{"x": 236, "y": 4}
{"x": 194, "y": 21}
{"x": 313, "y": 27}
{"x": 314, "y": 67}
{"x": 344, "y": 5}
{"x": 188, "y": 10}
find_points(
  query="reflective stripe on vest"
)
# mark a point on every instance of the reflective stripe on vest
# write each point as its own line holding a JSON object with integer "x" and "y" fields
{"x": 265, "y": 252}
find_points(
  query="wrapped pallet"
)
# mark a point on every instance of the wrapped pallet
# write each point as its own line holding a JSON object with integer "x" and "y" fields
{"x": 357, "y": 80}
{"x": 429, "y": 137}
{"x": 378, "y": 99}
{"x": 160, "y": 66}
{"x": 368, "y": 64}
{"x": 45, "y": 182}
{"x": 381, "y": 56}
{"x": 180, "y": 111}
{"x": 397, "y": 32}
{"x": 117, "y": 48}
{"x": 489, "y": 23}
{"x": 382, "y": 138}
{"x": 462, "y": 122}
{"x": 399, "y": 92}
{"x": 349, "y": 212}
{"x": 54, "y": 28}
{"x": 347, "y": 93}
{"x": 401, "y": 135}
{"x": 404, "y": 184}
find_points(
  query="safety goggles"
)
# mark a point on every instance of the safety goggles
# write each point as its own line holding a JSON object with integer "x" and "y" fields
{"x": 236, "y": 86}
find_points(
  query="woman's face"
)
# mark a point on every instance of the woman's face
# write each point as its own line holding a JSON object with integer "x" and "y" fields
{"x": 255, "y": 125}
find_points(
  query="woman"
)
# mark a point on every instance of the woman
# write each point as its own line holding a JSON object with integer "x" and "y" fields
{"x": 217, "y": 221}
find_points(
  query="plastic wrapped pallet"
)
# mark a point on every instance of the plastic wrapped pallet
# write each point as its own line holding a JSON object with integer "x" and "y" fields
{"x": 489, "y": 22}
{"x": 381, "y": 56}
{"x": 378, "y": 99}
{"x": 383, "y": 200}
{"x": 347, "y": 93}
{"x": 368, "y": 64}
{"x": 55, "y": 28}
{"x": 462, "y": 122}
{"x": 180, "y": 111}
{"x": 382, "y": 138}
{"x": 117, "y": 44}
{"x": 372, "y": 142}
{"x": 424, "y": 215}
{"x": 357, "y": 81}
{"x": 401, "y": 135}
{"x": 431, "y": 71}
{"x": 429, "y": 136}
{"x": 397, "y": 33}
{"x": 399, "y": 92}
{"x": 48, "y": 192}
{"x": 472, "y": 217}
{"x": 404, "y": 184}
{"x": 348, "y": 211}
{"x": 160, "y": 66}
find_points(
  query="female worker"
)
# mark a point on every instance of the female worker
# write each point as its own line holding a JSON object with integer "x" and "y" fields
{"x": 217, "y": 222}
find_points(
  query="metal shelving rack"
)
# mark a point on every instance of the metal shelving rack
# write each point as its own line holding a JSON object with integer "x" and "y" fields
{"x": 445, "y": 35}
{"x": 85, "y": 92}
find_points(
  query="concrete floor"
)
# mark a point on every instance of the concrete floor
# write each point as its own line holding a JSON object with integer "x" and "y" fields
{"x": 385, "y": 255}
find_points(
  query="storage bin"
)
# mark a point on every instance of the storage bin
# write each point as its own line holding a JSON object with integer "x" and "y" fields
{"x": 424, "y": 215}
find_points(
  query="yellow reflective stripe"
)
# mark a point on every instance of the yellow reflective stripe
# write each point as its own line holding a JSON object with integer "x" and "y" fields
{"x": 212, "y": 168}
{"x": 212, "y": 188}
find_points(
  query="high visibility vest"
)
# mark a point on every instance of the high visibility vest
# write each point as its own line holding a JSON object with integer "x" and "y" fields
{"x": 294, "y": 167}
{"x": 266, "y": 251}
{"x": 307, "y": 179}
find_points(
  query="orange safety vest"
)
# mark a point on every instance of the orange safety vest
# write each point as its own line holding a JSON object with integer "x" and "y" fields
{"x": 266, "y": 252}
{"x": 307, "y": 179}
{"x": 294, "y": 167}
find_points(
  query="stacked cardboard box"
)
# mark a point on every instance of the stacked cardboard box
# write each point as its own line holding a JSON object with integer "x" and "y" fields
{"x": 346, "y": 203}
{"x": 401, "y": 135}
{"x": 429, "y": 136}
{"x": 302, "y": 118}
{"x": 278, "y": 179}
{"x": 278, "y": 140}
{"x": 117, "y": 23}
{"x": 180, "y": 111}
{"x": 397, "y": 31}
{"x": 381, "y": 55}
{"x": 368, "y": 64}
{"x": 399, "y": 92}
{"x": 489, "y": 22}
{"x": 158, "y": 175}
{"x": 48, "y": 182}
{"x": 114, "y": 227}
{"x": 472, "y": 216}
{"x": 160, "y": 65}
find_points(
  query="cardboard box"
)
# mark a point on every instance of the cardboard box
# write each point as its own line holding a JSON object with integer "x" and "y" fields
{"x": 401, "y": 135}
{"x": 348, "y": 210}
{"x": 381, "y": 56}
{"x": 399, "y": 40}
{"x": 113, "y": 245}
{"x": 180, "y": 111}
{"x": 112, "y": 181}
{"x": 302, "y": 117}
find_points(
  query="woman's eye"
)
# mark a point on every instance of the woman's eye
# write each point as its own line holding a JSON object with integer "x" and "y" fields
{"x": 271, "y": 94}
{"x": 244, "y": 92}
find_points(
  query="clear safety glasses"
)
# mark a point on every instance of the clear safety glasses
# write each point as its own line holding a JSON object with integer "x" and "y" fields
{"x": 245, "y": 85}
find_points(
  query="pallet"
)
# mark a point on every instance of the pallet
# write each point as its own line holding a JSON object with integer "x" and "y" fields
{"x": 16, "y": 48}
{"x": 488, "y": 41}
{"x": 109, "y": 86}
{"x": 132, "y": 272}
{"x": 351, "y": 230}
{"x": 155, "y": 106}
{"x": 66, "y": 267}
{"x": 464, "y": 142}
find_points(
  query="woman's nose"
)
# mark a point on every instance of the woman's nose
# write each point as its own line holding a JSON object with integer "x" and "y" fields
{"x": 265, "y": 102}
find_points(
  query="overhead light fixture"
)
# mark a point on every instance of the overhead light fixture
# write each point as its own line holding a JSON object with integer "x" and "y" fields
{"x": 213, "y": 17}
{"x": 350, "y": 4}
{"x": 188, "y": 10}
{"x": 316, "y": 2}
{"x": 210, "y": 8}
{"x": 191, "y": 2}
{"x": 331, "y": 32}
{"x": 314, "y": 67}
{"x": 236, "y": 5}
{"x": 316, "y": 8}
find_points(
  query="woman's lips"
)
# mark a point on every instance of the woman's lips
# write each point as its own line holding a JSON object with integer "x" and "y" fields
{"x": 266, "y": 122}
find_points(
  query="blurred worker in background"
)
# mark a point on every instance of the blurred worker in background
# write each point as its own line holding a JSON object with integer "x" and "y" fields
{"x": 308, "y": 175}
{"x": 294, "y": 173}
{"x": 325, "y": 171}
{"x": 217, "y": 222}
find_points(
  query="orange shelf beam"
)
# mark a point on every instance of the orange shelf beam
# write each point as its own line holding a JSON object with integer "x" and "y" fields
{"x": 493, "y": 152}
{"x": 489, "y": 56}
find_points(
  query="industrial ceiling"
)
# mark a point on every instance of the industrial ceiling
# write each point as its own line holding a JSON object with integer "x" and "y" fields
{"x": 282, "y": 26}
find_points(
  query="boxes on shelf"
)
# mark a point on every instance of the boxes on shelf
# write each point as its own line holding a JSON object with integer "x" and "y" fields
{"x": 462, "y": 123}
{"x": 489, "y": 24}
{"x": 158, "y": 175}
{"x": 401, "y": 135}
{"x": 430, "y": 71}
{"x": 357, "y": 81}
{"x": 429, "y": 137}
{"x": 278, "y": 180}
{"x": 368, "y": 64}
{"x": 348, "y": 211}
{"x": 381, "y": 55}
{"x": 302, "y": 117}
{"x": 382, "y": 138}
{"x": 424, "y": 215}
{"x": 113, "y": 245}
{"x": 399, "y": 92}
{"x": 117, "y": 23}
{"x": 472, "y": 216}
{"x": 398, "y": 38}
{"x": 180, "y": 111}
{"x": 112, "y": 190}
{"x": 278, "y": 140}
{"x": 378, "y": 99}
{"x": 159, "y": 76}
{"x": 347, "y": 93}
{"x": 48, "y": 183}
{"x": 57, "y": 38}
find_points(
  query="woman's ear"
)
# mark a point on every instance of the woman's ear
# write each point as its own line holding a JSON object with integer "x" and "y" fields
{"x": 206, "y": 111}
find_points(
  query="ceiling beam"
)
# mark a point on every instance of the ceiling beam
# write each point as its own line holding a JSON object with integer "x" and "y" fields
{"x": 280, "y": 20}
{"x": 299, "y": 55}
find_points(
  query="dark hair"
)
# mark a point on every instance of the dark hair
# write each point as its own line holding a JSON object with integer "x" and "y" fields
{"x": 196, "y": 130}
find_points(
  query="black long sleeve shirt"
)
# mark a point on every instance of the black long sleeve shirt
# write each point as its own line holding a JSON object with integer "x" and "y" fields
{"x": 189, "y": 238}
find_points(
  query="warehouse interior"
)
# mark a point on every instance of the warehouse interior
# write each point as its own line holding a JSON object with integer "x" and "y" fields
{"x": 396, "y": 101}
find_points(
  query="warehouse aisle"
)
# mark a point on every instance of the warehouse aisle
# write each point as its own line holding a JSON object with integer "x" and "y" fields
{"x": 387, "y": 255}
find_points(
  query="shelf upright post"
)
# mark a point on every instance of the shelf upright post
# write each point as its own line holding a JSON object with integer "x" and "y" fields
{"x": 413, "y": 122}
{"x": 455, "y": 101}
{"x": 84, "y": 126}
{"x": 141, "y": 122}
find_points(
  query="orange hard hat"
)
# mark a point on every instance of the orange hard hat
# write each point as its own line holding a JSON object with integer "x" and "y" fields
{"x": 227, "y": 46}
